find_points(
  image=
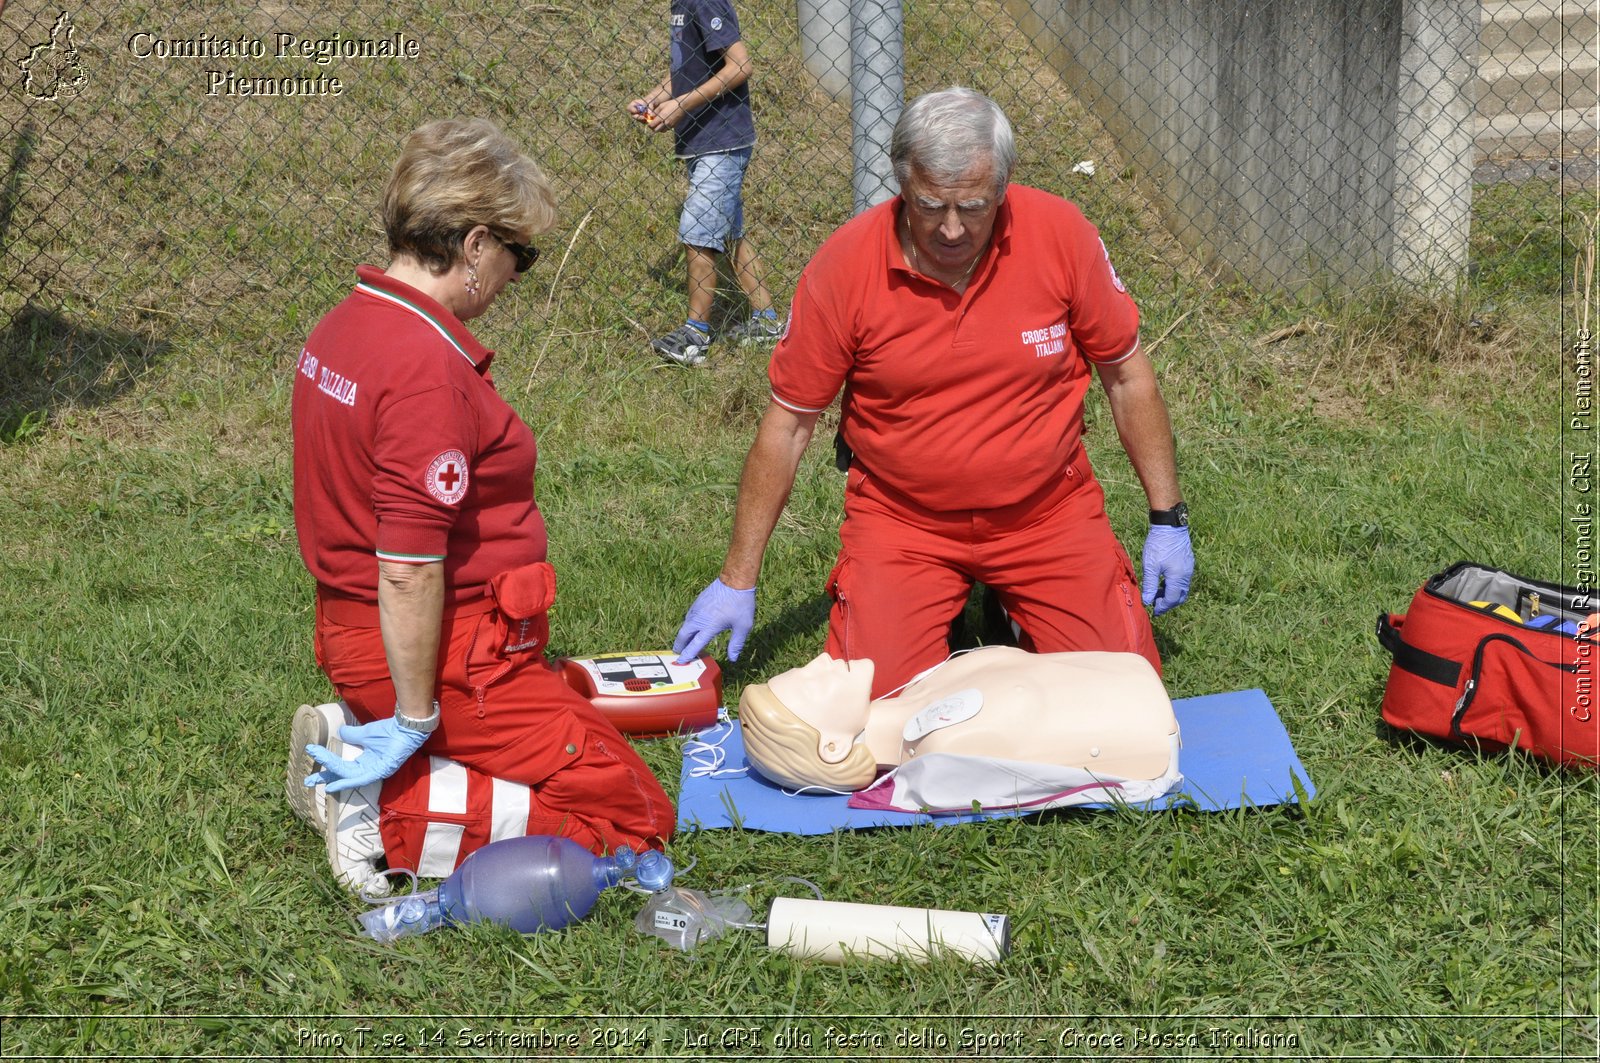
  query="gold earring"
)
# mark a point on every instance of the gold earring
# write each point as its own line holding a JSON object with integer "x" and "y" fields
{"x": 472, "y": 279}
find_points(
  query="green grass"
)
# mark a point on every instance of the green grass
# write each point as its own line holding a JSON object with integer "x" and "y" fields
{"x": 158, "y": 636}
{"x": 1429, "y": 902}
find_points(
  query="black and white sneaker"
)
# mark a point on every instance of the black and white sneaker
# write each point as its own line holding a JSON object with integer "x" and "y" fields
{"x": 685, "y": 345}
{"x": 756, "y": 329}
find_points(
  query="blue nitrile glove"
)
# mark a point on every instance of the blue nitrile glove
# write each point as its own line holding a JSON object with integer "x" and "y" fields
{"x": 719, "y": 608}
{"x": 1168, "y": 567}
{"x": 385, "y": 745}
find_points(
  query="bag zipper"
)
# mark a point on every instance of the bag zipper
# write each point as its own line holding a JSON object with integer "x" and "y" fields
{"x": 1464, "y": 702}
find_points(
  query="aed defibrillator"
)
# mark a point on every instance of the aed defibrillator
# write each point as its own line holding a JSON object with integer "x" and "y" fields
{"x": 648, "y": 694}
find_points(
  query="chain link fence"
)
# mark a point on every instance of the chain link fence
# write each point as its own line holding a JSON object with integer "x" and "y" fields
{"x": 187, "y": 190}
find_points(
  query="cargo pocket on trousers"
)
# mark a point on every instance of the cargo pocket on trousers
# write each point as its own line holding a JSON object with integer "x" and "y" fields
{"x": 839, "y": 594}
{"x": 486, "y": 661}
{"x": 1135, "y": 625}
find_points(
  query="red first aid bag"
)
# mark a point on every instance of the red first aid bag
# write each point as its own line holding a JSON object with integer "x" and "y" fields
{"x": 1487, "y": 658}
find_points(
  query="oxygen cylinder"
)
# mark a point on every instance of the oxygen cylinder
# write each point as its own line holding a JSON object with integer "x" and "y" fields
{"x": 835, "y": 930}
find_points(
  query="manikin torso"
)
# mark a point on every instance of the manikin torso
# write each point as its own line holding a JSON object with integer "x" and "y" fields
{"x": 1107, "y": 713}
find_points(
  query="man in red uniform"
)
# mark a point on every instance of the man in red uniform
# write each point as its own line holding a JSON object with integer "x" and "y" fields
{"x": 961, "y": 320}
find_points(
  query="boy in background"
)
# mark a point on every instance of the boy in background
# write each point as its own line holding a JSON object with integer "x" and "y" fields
{"x": 705, "y": 101}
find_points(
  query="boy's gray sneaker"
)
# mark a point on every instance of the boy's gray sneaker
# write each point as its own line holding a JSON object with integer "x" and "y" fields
{"x": 757, "y": 328}
{"x": 685, "y": 345}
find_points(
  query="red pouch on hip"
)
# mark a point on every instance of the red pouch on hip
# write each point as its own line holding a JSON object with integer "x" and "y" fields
{"x": 523, "y": 595}
{"x": 526, "y": 591}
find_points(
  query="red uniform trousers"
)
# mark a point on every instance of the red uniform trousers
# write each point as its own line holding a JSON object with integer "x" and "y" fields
{"x": 904, "y": 573}
{"x": 503, "y": 718}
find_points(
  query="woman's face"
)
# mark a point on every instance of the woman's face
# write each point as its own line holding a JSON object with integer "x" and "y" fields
{"x": 496, "y": 265}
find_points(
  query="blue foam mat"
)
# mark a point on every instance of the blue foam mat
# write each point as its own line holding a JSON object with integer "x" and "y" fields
{"x": 1236, "y": 754}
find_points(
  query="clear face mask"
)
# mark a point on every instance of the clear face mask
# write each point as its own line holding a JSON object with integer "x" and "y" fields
{"x": 685, "y": 918}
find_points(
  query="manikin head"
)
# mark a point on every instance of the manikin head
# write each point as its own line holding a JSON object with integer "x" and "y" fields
{"x": 801, "y": 727}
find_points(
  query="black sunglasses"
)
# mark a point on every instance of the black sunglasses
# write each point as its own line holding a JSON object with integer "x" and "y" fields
{"x": 525, "y": 255}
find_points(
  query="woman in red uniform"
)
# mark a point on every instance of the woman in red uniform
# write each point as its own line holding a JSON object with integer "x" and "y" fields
{"x": 415, "y": 513}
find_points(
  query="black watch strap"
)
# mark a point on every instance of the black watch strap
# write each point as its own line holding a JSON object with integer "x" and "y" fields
{"x": 1176, "y": 517}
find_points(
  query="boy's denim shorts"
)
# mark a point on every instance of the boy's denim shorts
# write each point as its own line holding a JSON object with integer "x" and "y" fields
{"x": 713, "y": 212}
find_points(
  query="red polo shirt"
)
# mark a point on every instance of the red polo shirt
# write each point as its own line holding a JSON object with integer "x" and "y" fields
{"x": 959, "y": 400}
{"x": 403, "y": 449}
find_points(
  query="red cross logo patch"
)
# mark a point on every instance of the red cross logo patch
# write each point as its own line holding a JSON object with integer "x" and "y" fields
{"x": 1114, "y": 278}
{"x": 447, "y": 477}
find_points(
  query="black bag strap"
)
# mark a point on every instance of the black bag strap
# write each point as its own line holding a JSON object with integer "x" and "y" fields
{"x": 1418, "y": 662}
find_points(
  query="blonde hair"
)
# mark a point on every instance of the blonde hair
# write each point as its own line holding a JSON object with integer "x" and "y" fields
{"x": 453, "y": 174}
{"x": 783, "y": 747}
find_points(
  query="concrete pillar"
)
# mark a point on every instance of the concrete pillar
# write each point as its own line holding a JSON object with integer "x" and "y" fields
{"x": 825, "y": 43}
{"x": 877, "y": 93}
{"x": 1433, "y": 140}
{"x": 1290, "y": 142}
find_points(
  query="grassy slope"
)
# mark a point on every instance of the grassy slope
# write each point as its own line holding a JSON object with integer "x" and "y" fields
{"x": 157, "y": 621}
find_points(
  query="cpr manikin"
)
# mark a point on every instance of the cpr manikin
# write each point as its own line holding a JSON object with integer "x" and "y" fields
{"x": 997, "y": 725}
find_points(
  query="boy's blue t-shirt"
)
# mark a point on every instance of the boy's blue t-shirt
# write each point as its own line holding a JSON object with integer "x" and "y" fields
{"x": 701, "y": 31}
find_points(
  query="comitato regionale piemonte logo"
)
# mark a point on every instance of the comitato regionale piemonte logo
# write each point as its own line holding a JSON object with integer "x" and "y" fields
{"x": 53, "y": 70}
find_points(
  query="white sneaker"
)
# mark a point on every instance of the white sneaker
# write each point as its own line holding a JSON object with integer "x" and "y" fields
{"x": 347, "y": 821}
{"x": 355, "y": 848}
{"x": 318, "y": 724}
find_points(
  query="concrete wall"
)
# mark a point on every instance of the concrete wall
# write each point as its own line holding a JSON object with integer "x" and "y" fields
{"x": 1289, "y": 141}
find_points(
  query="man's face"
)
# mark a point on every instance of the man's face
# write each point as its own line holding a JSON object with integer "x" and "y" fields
{"x": 950, "y": 222}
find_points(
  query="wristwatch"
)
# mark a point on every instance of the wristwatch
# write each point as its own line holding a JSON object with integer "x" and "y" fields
{"x": 1176, "y": 517}
{"x": 424, "y": 726}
